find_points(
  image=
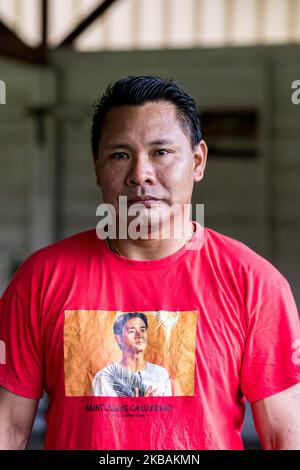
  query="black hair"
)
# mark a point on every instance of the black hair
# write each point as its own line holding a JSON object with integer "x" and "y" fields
{"x": 122, "y": 319}
{"x": 138, "y": 90}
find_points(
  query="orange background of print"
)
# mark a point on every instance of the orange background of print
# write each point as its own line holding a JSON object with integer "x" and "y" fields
{"x": 90, "y": 345}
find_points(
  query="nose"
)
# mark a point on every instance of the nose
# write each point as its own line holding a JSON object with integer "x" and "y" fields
{"x": 141, "y": 172}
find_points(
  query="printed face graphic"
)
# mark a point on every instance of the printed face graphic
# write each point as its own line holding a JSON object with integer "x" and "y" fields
{"x": 90, "y": 346}
{"x": 134, "y": 336}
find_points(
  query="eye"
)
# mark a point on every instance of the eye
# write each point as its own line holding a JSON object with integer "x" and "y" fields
{"x": 119, "y": 155}
{"x": 162, "y": 152}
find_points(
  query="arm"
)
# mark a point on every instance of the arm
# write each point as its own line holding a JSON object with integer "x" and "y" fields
{"x": 277, "y": 419}
{"x": 16, "y": 419}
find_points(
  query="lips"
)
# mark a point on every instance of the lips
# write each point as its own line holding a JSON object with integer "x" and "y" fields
{"x": 147, "y": 201}
{"x": 143, "y": 199}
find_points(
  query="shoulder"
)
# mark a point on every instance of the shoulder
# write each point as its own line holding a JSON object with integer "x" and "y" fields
{"x": 76, "y": 244}
{"x": 110, "y": 369}
{"x": 234, "y": 257}
{"x": 61, "y": 253}
{"x": 55, "y": 263}
{"x": 155, "y": 369}
{"x": 251, "y": 283}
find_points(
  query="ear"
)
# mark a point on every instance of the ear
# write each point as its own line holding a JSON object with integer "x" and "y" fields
{"x": 200, "y": 154}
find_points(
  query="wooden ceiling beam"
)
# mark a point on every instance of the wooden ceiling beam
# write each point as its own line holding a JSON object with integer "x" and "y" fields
{"x": 97, "y": 13}
{"x": 12, "y": 46}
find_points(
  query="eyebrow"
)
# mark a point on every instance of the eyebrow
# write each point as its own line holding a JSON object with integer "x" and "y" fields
{"x": 129, "y": 327}
{"x": 128, "y": 147}
{"x": 134, "y": 328}
{"x": 117, "y": 146}
{"x": 162, "y": 142}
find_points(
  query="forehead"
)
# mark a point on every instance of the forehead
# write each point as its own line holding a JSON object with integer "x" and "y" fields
{"x": 148, "y": 121}
{"x": 134, "y": 322}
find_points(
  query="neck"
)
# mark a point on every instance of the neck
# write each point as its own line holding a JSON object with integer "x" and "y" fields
{"x": 150, "y": 248}
{"x": 134, "y": 362}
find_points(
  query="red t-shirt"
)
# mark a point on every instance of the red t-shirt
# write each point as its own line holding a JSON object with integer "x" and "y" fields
{"x": 222, "y": 326}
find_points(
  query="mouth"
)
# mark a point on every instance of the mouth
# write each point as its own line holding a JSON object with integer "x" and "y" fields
{"x": 147, "y": 201}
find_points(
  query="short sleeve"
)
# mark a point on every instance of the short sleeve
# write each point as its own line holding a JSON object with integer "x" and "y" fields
{"x": 271, "y": 359}
{"x": 22, "y": 370}
{"x": 100, "y": 387}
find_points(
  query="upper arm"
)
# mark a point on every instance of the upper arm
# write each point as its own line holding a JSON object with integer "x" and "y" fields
{"x": 277, "y": 419}
{"x": 16, "y": 419}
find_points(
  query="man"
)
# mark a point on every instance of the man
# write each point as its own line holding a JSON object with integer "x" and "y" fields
{"x": 147, "y": 146}
{"x": 132, "y": 376}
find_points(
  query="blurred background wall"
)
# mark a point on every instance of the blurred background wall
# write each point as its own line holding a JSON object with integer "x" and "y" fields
{"x": 238, "y": 59}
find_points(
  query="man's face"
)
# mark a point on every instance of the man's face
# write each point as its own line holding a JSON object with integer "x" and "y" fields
{"x": 134, "y": 336}
{"x": 144, "y": 151}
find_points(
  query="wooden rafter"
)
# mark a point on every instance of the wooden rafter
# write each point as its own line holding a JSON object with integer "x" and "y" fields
{"x": 12, "y": 46}
{"x": 99, "y": 11}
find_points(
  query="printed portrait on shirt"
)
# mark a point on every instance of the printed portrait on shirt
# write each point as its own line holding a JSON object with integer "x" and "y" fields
{"x": 129, "y": 354}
